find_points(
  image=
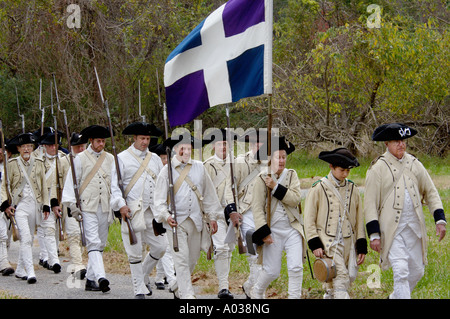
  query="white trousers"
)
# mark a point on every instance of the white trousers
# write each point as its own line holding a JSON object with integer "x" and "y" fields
{"x": 4, "y": 263}
{"x": 140, "y": 271}
{"x": 189, "y": 243}
{"x": 288, "y": 239}
{"x": 249, "y": 224}
{"x": 164, "y": 266}
{"x": 47, "y": 242}
{"x": 26, "y": 222}
{"x": 405, "y": 257}
{"x": 96, "y": 227}
{"x": 222, "y": 254}
{"x": 73, "y": 237}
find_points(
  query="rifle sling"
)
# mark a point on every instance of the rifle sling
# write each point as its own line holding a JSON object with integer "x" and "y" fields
{"x": 139, "y": 172}
{"x": 93, "y": 171}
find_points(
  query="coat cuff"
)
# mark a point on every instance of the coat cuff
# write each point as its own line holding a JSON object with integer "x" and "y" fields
{"x": 54, "y": 202}
{"x": 280, "y": 192}
{"x": 230, "y": 208}
{"x": 46, "y": 209}
{"x": 260, "y": 234}
{"x": 361, "y": 246}
{"x": 373, "y": 227}
{"x": 4, "y": 206}
{"x": 315, "y": 243}
{"x": 439, "y": 215}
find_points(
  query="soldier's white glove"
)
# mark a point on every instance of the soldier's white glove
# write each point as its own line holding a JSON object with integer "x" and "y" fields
{"x": 76, "y": 213}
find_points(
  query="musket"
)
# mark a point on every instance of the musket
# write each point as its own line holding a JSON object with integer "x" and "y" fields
{"x": 72, "y": 166}
{"x": 173, "y": 208}
{"x": 15, "y": 229}
{"x": 132, "y": 235}
{"x": 42, "y": 109}
{"x": 18, "y": 111}
{"x": 58, "y": 184}
{"x": 140, "y": 113}
{"x": 241, "y": 243}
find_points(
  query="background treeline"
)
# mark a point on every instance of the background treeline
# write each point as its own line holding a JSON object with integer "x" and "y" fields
{"x": 335, "y": 79}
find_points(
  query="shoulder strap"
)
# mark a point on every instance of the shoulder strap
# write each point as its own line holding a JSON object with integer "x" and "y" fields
{"x": 191, "y": 184}
{"x": 138, "y": 173}
{"x": 93, "y": 171}
{"x": 248, "y": 179}
{"x": 181, "y": 178}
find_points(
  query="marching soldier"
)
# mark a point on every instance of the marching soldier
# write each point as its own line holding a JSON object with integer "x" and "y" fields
{"x": 334, "y": 221}
{"x": 29, "y": 192}
{"x": 195, "y": 200}
{"x": 139, "y": 169}
{"x": 396, "y": 186}
{"x": 5, "y": 266}
{"x": 247, "y": 168}
{"x": 93, "y": 173}
{"x": 164, "y": 267}
{"x": 47, "y": 229}
{"x": 71, "y": 225}
{"x": 39, "y": 152}
{"x": 280, "y": 228}
{"x": 218, "y": 168}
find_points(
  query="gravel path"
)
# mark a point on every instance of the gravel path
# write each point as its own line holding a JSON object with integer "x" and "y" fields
{"x": 64, "y": 286}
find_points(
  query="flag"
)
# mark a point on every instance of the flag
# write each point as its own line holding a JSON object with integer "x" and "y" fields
{"x": 227, "y": 57}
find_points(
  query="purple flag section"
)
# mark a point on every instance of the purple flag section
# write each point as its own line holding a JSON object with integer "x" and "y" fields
{"x": 238, "y": 16}
{"x": 180, "y": 95}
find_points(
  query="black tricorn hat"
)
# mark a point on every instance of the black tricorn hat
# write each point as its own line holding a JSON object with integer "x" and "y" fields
{"x": 218, "y": 135}
{"x": 47, "y": 130}
{"x": 77, "y": 139}
{"x": 277, "y": 143}
{"x": 24, "y": 138}
{"x": 95, "y": 131}
{"x": 158, "y": 149}
{"x": 142, "y": 128}
{"x": 11, "y": 145}
{"x": 340, "y": 157}
{"x": 393, "y": 131}
{"x": 184, "y": 138}
{"x": 49, "y": 139}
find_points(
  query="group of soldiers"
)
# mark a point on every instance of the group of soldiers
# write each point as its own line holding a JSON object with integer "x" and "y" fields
{"x": 179, "y": 206}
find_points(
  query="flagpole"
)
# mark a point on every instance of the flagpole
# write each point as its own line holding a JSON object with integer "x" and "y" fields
{"x": 269, "y": 151}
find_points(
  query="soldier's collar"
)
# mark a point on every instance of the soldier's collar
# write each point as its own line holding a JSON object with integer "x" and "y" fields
{"x": 94, "y": 152}
{"x": 138, "y": 152}
{"x": 335, "y": 181}
{"x": 176, "y": 162}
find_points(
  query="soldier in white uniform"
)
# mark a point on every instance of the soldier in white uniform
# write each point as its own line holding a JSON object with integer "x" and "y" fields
{"x": 5, "y": 266}
{"x": 396, "y": 186}
{"x": 29, "y": 192}
{"x": 39, "y": 152}
{"x": 139, "y": 169}
{"x": 195, "y": 200}
{"x": 71, "y": 225}
{"x": 48, "y": 227}
{"x": 247, "y": 168}
{"x": 165, "y": 271}
{"x": 218, "y": 168}
{"x": 278, "y": 227}
{"x": 93, "y": 172}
